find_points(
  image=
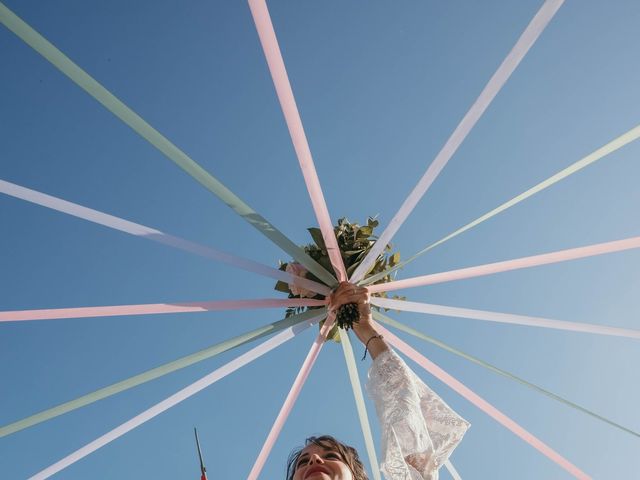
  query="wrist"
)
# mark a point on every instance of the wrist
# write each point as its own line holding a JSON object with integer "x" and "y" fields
{"x": 375, "y": 345}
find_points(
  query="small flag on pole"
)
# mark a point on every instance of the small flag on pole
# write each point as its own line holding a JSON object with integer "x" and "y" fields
{"x": 203, "y": 470}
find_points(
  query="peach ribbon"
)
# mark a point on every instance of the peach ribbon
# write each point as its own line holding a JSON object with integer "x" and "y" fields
{"x": 615, "y": 144}
{"x": 280, "y": 78}
{"x": 292, "y": 396}
{"x": 482, "y": 404}
{"x": 508, "y": 265}
{"x": 155, "y": 308}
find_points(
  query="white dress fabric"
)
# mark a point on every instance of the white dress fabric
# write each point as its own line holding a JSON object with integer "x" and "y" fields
{"x": 419, "y": 430}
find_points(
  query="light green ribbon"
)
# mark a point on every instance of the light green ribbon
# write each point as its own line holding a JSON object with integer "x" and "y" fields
{"x": 140, "y": 126}
{"x": 157, "y": 372}
{"x": 389, "y": 321}
{"x": 359, "y": 398}
{"x": 593, "y": 157}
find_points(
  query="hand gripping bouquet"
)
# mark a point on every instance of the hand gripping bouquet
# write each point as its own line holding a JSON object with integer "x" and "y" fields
{"x": 354, "y": 241}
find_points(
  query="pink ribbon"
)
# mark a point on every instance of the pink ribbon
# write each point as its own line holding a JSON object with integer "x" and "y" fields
{"x": 154, "y": 308}
{"x": 513, "y": 319}
{"x": 280, "y": 78}
{"x": 505, "y": 266}
{"x": 499, "y": 78}
{"x": 291, "y": 397}
{"x": 482, "y": 404}
{"x": 176, "y": 398}
{"x": 138, "y": 230}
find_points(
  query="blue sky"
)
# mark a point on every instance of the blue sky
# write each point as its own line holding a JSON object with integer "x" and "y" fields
{"x": 380, "y": 86}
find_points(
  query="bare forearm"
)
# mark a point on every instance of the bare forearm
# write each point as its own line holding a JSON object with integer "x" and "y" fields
{"x": 371, "y": 339}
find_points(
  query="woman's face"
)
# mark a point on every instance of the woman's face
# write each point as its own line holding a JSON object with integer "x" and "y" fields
{"x": 318, "y": 463}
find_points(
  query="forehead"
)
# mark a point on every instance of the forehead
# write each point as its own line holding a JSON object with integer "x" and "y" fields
{"x": 313, "y": 448}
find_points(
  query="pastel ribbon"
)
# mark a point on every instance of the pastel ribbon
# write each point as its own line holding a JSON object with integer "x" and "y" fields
{"x": 160, "y": 371}
{"x": 454, "y": 473}
{"x": 142, "y": 231}
{"x": 411, "y": 331}
{"x": 280, "y": 78}
{"x": 482, "y": 404}
{"x": 508, "y": 265}
{"x": 502, "y": 317}
{"x": 140, "y": 126}
{"x": 176, "y": 398}
{"x": 360, "y": 405}
{"x": 593, "y": 157}
{"x": 499, "y": 78}
{"x": 155, "y": 308}
{"x": 292, "y": 396}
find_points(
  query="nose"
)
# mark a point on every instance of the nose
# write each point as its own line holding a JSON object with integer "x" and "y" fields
{"x": 315, "y": 458}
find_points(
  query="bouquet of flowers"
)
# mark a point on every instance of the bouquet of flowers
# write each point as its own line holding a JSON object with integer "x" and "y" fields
{"x": 354, "y": 241}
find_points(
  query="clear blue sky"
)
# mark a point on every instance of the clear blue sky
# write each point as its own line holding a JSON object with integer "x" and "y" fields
{"x": 380, "y": 86}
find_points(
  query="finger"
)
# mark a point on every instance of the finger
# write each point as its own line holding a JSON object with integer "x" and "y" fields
{"x": 356, "y": 298}
{"x": 346, "y": 286}
{"x": 347, "y": 293}
{"x": 339, "y": 300}
{"x": 364, "y": 309}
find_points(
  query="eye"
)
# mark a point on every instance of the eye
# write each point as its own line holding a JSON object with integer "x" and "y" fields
{"x": 302, "y": 461}
{"x": 333, "y": 456}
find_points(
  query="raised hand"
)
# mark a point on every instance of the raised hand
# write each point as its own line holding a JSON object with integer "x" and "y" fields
{"x": 347, "y": 293}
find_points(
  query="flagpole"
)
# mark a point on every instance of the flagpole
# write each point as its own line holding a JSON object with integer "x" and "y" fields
{"x": 203, "y": 470}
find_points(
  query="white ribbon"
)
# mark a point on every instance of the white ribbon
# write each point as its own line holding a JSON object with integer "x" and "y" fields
{"x": 176, "y": 398}
{"x": 499, "y": 78}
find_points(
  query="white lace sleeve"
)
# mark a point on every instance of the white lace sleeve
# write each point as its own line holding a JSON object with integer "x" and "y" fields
{"x": 419, "y": 430}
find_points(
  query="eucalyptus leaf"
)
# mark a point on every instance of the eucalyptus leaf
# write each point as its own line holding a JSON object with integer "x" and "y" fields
{"x": 367, "y": 231}
{"x": 352, "y": 269}
{"x": 334, "y": 334}
{"x": 316, "y": 235}
{"x": 282, "y": 287}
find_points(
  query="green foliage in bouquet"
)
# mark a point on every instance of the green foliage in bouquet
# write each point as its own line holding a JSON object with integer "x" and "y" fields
{"x": 354, "y": 241}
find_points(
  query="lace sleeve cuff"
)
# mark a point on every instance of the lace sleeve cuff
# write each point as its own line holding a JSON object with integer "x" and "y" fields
{"x": 419, "y": 430}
